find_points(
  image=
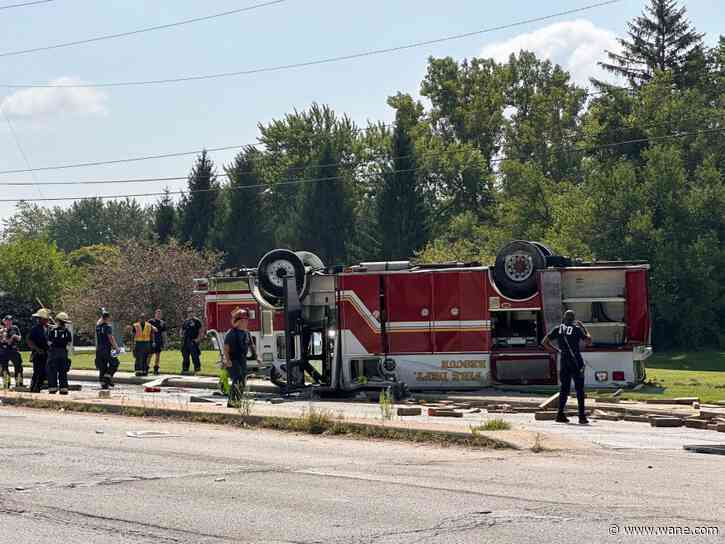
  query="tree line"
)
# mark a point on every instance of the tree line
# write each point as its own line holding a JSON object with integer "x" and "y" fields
{"x": 512, "y": 150}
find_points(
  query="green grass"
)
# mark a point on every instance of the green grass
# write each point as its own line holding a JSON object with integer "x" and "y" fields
{"x": 170, "y": 362}
{"x": 496, "y": 424}
{"x": 678, "y": 374}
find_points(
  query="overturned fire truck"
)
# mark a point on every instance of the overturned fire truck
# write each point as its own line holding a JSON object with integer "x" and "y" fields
{"x": 434, "y": 326}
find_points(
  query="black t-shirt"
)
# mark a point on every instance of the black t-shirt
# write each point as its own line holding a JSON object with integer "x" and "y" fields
{"x": 568, "y": 337}
{"x": 10, "y": 343}
{"x": 191, "y": 328}
{"x": 161, "y": 328}
{"x": 103, "y": 344}
{"x": 39, "y": 337}
{"x": 59, "y": 338}
{"x": 238, "y": 342}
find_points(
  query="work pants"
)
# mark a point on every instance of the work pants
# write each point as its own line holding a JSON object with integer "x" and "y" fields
{"x": 238, "y": 375}
{"x": 106, "y": 365}
{"x": 571, "y": 370}
{"x": 57, "y": 369}
{"x": 190, "y": 349}
{"x": 141, "y": 353}
{"x": 39, "y": 359}
{"x": 7, "y": 355}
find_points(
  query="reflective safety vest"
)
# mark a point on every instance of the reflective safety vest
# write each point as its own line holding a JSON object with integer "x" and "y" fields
{"x": 142, "y": 334}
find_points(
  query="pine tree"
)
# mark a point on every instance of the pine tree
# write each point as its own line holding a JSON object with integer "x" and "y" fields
{"x": 244, "y": 237}
{"x": 199, "y": 206}
{"x": 165, "y": 218}
{"x": 661, "y": 39}
{"x": 401, "y": 209}
{"x": 326, "y": 219}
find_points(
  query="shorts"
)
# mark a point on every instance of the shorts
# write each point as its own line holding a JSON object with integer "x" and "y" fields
{"x": 157, "y": 348}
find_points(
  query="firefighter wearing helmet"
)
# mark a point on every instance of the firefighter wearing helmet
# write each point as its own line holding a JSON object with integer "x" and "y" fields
{"x": 237, "y": 343}
{"x": 38, "y": 343}
{"x": 59, "y": 338}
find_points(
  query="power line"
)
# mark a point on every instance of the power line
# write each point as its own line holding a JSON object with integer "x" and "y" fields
{"x": 25, "y": 4}
{"x": 310, "y": 180}
{"x": 137, "y": 31}
{"x": 193, "y": 152}
{"x": 20, "y": 147}
{"x": 328, "y": 60}
{"x": 164, "y": 155}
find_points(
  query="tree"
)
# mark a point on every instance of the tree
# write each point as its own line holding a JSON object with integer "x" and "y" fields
{"x": 326, "y": 210}
{"x": 661, "y": 39}
{"x": 199, "y": 206}
{"x": 244, "y": 236}
{"x": 401, "y": 210}
{"x": 93, "y": 221}
{"x": 132, "y": 283}
{"x": 34, "y": 269}
{"x": 28, "y": 221}
{"x": 164, "y": 222}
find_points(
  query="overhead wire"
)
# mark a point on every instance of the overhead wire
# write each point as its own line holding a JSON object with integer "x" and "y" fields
{"x": 139, "y": 30}
{"x": 174, "y": 154}
{"x": 316, "y": 62}
{"x": 310, "y": 180}
{"x": 25, "y": 4}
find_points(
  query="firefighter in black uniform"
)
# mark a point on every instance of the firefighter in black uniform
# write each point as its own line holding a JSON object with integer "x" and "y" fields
{"x": 237, "y": 343}
{"x": 191, "y": 332}
{"x": 568, "y": 336}
{"x": 59, "y": 338}
{"x": 38, "y": 343}
{"x": 106, "y": 347}
{"x": 159, "y": 338}
{"x": 9, "y": 340}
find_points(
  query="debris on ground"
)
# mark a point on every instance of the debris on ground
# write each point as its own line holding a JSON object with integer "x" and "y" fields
{"x": 443, "y": 412}
{"x": 663, "y": 421}
{"x": 551, "y": 401}
{"x": 410, "y": 411}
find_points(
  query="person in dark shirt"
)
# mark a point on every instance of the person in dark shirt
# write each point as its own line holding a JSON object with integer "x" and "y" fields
{"x": 106, "y": 347}
{"x": 568, "y": 335}
{"x": 237, "y": 343}
{"x": 191, "y": 332}
{"x": 38, "y": 343}
{"x": 59, "y": 338}
{"x": 9, "y": 339}
{"x": 159, "y": 339}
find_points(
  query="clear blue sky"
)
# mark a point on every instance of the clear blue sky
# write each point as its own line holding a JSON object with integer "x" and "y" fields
{"x": 67, "y": 126}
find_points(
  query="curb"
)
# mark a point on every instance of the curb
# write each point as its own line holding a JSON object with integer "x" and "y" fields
{"x": 279, "y": 423}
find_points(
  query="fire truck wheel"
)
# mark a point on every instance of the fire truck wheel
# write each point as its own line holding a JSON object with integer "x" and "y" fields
{"x": 515, "y": 269}
{"x": 277, "y": 264}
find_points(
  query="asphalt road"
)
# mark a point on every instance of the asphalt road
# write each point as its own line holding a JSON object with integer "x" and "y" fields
{"x": 78, "y": 478}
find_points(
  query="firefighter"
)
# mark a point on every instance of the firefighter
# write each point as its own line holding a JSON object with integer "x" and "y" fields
{"x": 38, "y": 343}
{"x": 142, "y": 333}
{"x": 9, "y": 351}
{"x": 568, "y": 336}
{"x": 159, "y": 338}
{"x": 191, "y": 333}
{"x": 58, "y": 365}
{"x": 106, "y": 350}
{"x": 237, "y": 343}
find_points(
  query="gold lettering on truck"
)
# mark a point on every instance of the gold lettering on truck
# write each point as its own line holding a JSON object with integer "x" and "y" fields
{"x": 464, "y": 363}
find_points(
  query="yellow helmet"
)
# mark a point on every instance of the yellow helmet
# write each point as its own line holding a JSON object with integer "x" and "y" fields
{"x": 43, "y": 313}
{"x": 62, "y": 316}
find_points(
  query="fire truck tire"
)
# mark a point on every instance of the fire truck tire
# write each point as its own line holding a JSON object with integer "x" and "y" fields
{"x": 274, "y": 266}
{"x": 515, "y": 270}
{"x": 310, "y": 260}
{"x": 546, "y": 250}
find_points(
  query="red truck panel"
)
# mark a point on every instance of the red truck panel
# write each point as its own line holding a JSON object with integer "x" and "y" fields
{"x": 409, "y": 300}
{"x": 638, "y": 318}
{"x": 359, "y": 299}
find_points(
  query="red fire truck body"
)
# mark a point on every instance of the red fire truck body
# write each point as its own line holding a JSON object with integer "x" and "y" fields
{"x": 445, "y": 326}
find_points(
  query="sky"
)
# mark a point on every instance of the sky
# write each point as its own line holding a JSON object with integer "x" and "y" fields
{"x": 48, "y": 127}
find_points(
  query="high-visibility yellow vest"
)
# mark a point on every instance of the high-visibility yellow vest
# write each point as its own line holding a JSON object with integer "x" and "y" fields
{"x": 142, "y": 334}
